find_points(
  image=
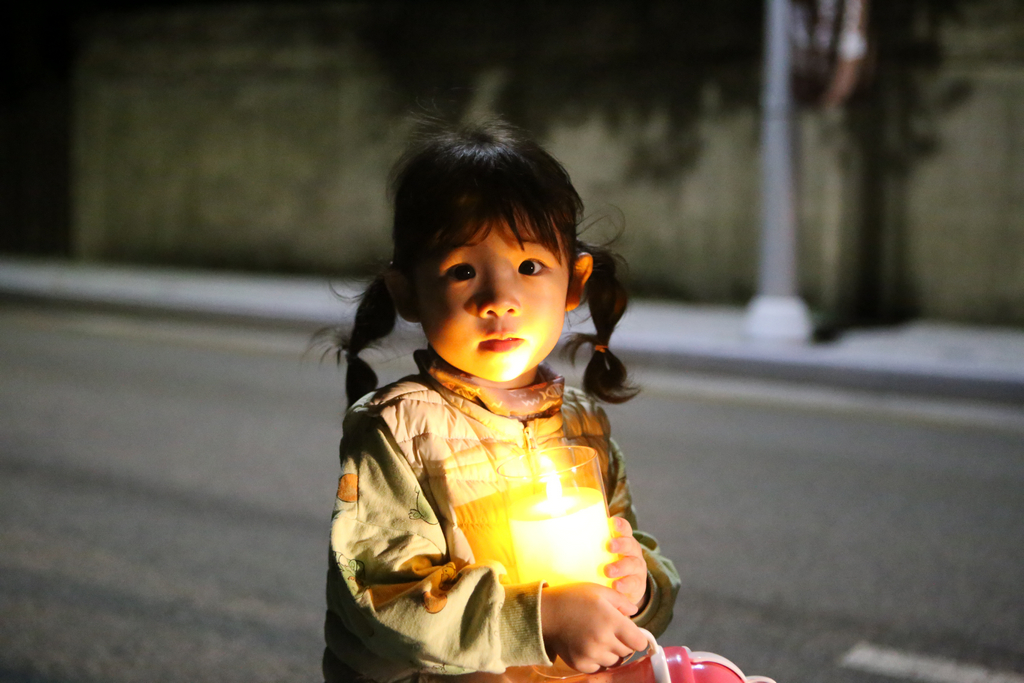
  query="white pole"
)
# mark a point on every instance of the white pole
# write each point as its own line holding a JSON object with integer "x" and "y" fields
{"x": 777, "y": 313}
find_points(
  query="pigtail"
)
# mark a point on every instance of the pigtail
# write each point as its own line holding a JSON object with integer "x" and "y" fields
{"x": 375, "y": 319}
{"x": 605, "y": 376}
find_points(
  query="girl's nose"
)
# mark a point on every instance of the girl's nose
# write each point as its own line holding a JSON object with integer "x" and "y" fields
{"x": 497, "y": 298}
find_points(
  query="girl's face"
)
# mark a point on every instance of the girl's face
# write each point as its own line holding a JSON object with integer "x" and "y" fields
{"x": 492, "y": 308}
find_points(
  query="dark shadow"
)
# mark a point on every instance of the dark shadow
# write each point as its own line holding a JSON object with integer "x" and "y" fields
{"x": 894, "y": 125}
{"x": 35, "y": 117}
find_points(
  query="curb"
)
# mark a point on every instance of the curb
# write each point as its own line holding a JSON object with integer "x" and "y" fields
{"x": 936, "y": 360}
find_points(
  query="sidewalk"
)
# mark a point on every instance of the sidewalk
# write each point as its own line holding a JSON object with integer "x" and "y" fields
{"x": 921, "y": 357}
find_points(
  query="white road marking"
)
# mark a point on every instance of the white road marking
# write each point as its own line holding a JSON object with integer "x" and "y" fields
{"x": 887, "y": 662}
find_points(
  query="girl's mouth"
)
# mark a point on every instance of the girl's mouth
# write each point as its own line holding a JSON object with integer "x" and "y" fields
{"x": 500, "y": 345}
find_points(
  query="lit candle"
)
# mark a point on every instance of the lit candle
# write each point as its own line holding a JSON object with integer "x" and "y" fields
{"x": 561, "y": 538}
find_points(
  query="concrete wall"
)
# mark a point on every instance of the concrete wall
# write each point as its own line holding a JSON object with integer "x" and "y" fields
{"x": 260, "y": 136}
{"x": 234, "y": 137}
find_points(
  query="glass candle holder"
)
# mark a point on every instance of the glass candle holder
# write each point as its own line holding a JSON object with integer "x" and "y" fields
{"x": 558, "y": 516}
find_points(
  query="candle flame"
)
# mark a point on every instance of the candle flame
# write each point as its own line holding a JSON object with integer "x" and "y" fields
{"x": 553, "y": 486}
{"x": 556, "y": 505}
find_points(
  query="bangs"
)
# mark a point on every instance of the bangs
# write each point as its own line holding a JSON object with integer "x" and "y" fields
{"x": 473, "y": 218}
{"x": 456, "y": 189}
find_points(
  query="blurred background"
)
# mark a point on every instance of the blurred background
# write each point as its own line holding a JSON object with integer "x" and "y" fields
{"x": 185, "y": 186}
{"x": 258, "y": 136}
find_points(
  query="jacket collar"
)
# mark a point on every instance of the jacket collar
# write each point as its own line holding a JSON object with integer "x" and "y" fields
{"x": 542, "y": 399}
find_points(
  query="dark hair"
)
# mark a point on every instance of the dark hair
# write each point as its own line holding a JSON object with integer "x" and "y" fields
{"x": 454, "y": 183}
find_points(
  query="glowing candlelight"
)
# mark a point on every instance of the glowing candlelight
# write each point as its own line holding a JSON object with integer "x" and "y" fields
{"x": 561, "y": 536}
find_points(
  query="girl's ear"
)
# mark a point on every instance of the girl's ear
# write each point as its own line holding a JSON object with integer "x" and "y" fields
{"x": 402, "y": 293}
{"x": 581, "y": 270}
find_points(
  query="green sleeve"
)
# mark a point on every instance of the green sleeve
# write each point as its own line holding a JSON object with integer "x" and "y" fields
{"x": 663, "y": 579}
{"x": 394, "y": 596}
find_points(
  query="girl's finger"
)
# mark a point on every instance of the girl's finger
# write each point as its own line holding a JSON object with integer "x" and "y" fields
{"x": 621, "y": 651}
{"x": 621, "y": 603}
{"x": 622, "y": 527}
{"x": 630, "y": 585}
{"x": 633, "y": 638}
{"x": 625, "y": 545}
{"x": 631, "y": 592}
{"x": 628, "y": 565}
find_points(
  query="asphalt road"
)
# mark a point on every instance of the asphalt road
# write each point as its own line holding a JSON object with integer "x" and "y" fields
{"x": 165, "y": 490}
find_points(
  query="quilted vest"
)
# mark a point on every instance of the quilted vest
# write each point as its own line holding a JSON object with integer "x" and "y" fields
{"x": 454, "y": 447}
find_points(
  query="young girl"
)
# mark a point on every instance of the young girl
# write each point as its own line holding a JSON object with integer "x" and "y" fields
{"x": 486, "y": 259}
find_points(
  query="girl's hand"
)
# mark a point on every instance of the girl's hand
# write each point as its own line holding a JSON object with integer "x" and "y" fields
{"x": 588, "y": 626}
{"x": 631, "y": 567}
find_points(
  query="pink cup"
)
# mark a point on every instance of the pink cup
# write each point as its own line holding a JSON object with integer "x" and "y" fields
{"x": 669, "y": 665}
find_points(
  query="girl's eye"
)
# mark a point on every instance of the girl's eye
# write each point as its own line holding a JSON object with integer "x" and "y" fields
{"x": 463, "y": 271}
{"x": 530, "y": 267}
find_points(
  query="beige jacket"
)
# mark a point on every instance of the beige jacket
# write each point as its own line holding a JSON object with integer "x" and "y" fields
{"x": 418, "y": 578}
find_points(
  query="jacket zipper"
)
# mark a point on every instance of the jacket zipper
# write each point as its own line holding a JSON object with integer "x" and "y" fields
{"x": 531, "y": 443}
